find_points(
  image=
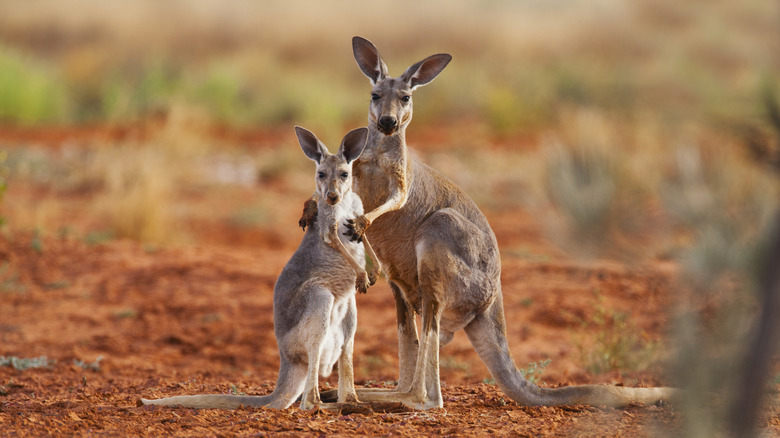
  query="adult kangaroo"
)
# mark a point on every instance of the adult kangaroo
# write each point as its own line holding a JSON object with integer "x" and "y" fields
{"x": 439, "y": 254}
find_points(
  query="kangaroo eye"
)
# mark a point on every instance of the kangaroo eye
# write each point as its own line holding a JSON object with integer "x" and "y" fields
{"x": 321, "y": 175}
{"x": 344, "y": 175}
{"x": 405, "y": 99}
{"x": 374, "y": 96}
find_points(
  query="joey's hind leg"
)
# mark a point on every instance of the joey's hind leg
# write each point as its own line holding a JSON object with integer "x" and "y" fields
{"x": 346, "y": 371}
{"x": 346, "y": 391}
{"x": 314, "y": 328}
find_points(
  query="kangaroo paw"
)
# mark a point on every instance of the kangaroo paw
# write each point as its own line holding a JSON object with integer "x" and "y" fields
{"x": 309, "y": 214}
{"x": 356, "y": 228}
{"x": 372, "y": 277}
{"x": 362, "y": 283}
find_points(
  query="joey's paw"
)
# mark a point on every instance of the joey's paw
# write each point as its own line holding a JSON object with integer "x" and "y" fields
{"x": 362, "y": 283}
{"x": 356, "y": 228}
{"x": 309, "y": 214}
{"x": 373, "y": 276}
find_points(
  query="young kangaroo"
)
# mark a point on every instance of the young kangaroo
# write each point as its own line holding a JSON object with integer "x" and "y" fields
{"x": 440, "y": 256}
{"x": 314, "y": 297}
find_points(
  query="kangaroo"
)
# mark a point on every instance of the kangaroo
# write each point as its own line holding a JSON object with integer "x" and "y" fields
{"x": 314, "y": 297}
{"x": 440, "y": 256}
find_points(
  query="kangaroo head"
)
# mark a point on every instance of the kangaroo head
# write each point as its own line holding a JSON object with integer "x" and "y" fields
{"x": 334, "y": 172}
{"x": 391, "y": 98}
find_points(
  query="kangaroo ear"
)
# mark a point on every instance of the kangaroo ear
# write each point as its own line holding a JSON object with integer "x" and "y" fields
{"x": 312, "y": 147}
{"x": 353, "y": 144}
{"x": 425, "y": 70}
{"x": 368, "y": 59}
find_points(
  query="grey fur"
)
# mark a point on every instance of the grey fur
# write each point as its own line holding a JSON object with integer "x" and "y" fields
{"x": 314, "y": 297}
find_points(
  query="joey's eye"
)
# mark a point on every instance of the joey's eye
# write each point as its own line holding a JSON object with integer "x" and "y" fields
{"x": 405, "y": 99}
{"x": 374, "y": 96}
{"x": 321, "y": 175}
{"x": 345, "y": 175}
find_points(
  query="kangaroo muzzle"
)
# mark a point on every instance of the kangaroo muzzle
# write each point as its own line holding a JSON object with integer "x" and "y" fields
{"x": 387, "y": 124}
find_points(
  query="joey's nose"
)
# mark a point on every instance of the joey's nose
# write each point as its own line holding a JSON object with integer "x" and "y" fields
{"x": 388, "y": 124}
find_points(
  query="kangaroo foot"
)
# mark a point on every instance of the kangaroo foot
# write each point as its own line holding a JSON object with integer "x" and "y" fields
{"x": 356, "y": 228}
{"x": 414, "y": 401}
{"x": 309, "y": 214}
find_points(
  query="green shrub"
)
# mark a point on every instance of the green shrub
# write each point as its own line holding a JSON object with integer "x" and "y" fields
{"x": 30, "y": 92}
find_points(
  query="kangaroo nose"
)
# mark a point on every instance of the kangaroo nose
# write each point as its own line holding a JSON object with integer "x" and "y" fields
{"x": 333, "y": 198}
{"x": 387, "y": 124}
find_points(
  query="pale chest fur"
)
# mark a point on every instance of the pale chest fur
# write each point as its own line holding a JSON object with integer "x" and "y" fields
{"x": 375, "y": 169}
{"x": 349, "y": 208}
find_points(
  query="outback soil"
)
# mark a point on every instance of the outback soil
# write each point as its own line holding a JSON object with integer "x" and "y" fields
{"x": 120, "y": 320}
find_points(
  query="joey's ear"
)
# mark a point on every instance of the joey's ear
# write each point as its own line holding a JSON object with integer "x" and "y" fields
{"x": 368, "y": 59}
{"x": 312, "y": 147}
{"x": 353, "y": 144}
{"x": 425, "y": 70}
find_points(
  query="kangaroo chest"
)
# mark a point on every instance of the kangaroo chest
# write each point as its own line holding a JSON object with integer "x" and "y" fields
{"x": 330, "y": 215}
{"x": 378, "y": 169}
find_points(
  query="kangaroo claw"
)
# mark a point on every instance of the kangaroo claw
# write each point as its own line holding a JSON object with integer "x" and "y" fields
{"x": 362, "y": 283}
{"x": 372, "y": 277}
{"x": 356, "y": 228}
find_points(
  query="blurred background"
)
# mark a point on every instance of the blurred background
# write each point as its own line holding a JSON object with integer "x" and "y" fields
{"x": 661, "y": 94}
{"x": 643, "y": 131}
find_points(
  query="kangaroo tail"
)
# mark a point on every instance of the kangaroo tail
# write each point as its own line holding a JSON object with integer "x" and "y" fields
{"x": 487, "y": 333}
{"x": 214, "y": 401}
{"x": 289, "y": 386}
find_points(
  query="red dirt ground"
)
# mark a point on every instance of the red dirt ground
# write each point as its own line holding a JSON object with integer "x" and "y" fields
{"x": 198, "y": 319}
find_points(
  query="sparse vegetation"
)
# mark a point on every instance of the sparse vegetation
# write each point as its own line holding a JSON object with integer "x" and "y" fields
{"x": 453, "y": 364}
{"x": 126, "y": 314}
{"x": 712, "y": 208}
{"x": 667, "y": 61}
{"x": 9, "y": 280}
{"x": 618, "y": 343}
{"x": 235, "y": 391}
{"x": 22, "y": 364}
{"x": 30, "y": 90}
{"x": 533, "y": 372}
{"x": 90, "y": 366}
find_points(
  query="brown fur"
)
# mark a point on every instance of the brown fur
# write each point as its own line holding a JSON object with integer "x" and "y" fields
{"x": 440, "y": 256}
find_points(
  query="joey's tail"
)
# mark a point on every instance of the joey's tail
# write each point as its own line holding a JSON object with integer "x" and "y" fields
{"x": 289, "y": 386}
{"x": 217, "y": 401}
{"x": 487, "y": 334}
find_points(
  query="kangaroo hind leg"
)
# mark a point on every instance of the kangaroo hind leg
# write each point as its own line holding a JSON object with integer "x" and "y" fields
{"x": 313, "y": 331}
